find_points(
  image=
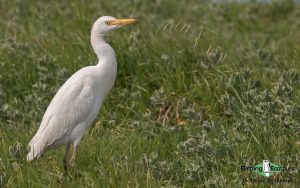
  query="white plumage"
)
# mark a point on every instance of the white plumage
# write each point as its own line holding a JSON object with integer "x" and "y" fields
{"x": 77, "y": 103}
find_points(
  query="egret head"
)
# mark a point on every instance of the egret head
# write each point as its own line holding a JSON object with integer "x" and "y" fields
{"x": 105, "y": 24}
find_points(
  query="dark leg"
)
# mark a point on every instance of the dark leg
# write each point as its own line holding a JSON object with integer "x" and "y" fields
{"x": 66, "y": 158}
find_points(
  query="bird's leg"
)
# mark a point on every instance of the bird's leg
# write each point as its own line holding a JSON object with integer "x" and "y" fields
{"x": 66, "y": 158}
{"x": 72, "y": 162}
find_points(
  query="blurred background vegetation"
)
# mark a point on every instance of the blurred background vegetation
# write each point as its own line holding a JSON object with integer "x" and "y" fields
{"x": 202, "y": 88}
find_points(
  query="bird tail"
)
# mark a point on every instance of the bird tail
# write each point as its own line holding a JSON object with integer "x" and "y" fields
{"x": 36, "y": 147}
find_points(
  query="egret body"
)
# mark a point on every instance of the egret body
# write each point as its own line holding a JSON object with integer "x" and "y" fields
{"x": 77, "y": 103}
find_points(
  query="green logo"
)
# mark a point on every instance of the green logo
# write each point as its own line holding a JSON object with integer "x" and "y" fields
{"x": 267, "y": 168}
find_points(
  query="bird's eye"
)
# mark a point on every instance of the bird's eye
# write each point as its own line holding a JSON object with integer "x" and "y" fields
{"x": 106, "y": 22}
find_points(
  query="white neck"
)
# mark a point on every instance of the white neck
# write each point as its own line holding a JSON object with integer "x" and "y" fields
{"x": 103, "y": 50}
{"x": 106, "y": 69}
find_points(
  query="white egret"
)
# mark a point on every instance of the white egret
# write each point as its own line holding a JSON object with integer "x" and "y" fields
{"x": 77, "y": 103}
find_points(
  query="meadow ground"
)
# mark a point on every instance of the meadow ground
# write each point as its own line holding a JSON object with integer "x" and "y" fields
{"x": 189, "y": 107}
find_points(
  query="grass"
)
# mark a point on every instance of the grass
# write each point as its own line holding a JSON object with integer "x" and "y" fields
{"x": 189, "y": 106}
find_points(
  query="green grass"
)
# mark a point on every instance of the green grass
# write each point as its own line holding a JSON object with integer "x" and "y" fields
{"x": 230, "y": 85}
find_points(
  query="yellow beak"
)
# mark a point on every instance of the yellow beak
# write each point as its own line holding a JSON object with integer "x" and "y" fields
{"x": 121, "y": 22}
